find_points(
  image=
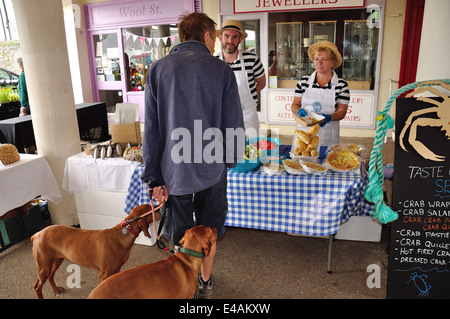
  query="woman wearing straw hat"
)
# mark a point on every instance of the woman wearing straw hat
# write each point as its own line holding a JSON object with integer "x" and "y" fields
{"x": 323, "y": 91}
{"x": 250, "y": 79}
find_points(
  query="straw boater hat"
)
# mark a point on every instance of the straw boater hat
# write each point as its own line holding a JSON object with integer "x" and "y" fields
{"x": 329, "y": 45}
{"x": 232, "y": 25}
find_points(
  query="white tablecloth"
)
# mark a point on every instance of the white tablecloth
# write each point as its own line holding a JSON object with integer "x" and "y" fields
{"x": 83, "y": 172}
{"x": 26, "y": 179}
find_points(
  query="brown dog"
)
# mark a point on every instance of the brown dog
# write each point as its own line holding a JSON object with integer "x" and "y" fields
{"x": 106, "y": 250}
{"x": 171, "y": 278}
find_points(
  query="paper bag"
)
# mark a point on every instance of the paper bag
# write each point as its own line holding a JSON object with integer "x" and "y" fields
{"x": 126, "y": 133}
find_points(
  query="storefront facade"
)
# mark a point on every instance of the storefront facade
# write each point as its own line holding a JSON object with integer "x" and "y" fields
{"x": 124, "y": 38}
{"x": 284, "y": 32}
{"x": 144, "y": 33}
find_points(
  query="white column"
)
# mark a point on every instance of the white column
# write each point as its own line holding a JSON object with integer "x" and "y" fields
{"x": 71, "y": 18}
{"x": 433, "y": 61}
{"x": 40, "y": 26}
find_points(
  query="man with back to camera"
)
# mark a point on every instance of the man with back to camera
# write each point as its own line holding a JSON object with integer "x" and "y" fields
{"x": 250, "y": 79}
{"x": 187, "y": 89}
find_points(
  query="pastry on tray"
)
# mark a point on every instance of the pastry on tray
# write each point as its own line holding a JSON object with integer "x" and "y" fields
{"x": 314, "y": 168}
{"x": 273, "y": 169}
{"x": 342, "y": 160}
{"x": 293, "y": 167}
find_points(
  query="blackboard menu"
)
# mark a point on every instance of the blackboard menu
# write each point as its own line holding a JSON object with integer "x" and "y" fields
{"x": 419, "y": 251}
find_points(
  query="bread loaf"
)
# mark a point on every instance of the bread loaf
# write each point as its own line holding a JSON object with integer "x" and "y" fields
{"x": 313, "y": 144}
{"x": 314, "y": 130}
{"x": 303, "y": 136}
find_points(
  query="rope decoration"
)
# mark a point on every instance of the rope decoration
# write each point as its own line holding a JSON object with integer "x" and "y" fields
{"x": 374, "y": 190}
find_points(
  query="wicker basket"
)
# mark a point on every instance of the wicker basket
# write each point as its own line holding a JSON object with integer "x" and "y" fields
{"x": 8, "y": 154}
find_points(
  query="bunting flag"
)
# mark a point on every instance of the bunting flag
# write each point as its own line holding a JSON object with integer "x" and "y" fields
{"x": 150, "y": 40}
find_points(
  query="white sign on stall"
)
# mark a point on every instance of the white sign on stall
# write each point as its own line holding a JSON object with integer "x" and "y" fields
{"x": 360, "y": 113}
{"x": 280, "y": 107}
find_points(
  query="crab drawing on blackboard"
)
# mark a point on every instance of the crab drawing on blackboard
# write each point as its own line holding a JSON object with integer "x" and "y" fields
{"x": 442, "y": 109}
{"x": 420, "y": 283}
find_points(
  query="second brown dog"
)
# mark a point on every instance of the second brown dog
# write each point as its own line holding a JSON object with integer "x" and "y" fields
{"x": 106, "y": 250}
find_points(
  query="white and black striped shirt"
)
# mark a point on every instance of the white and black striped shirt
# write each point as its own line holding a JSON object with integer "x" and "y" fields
{"x": 254, "y": 69}
{"x": 342, "y": 91}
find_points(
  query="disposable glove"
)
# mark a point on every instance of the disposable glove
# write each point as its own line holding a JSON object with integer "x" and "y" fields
{"x": 328, "y": 119}
{"x": 302, "y": 113}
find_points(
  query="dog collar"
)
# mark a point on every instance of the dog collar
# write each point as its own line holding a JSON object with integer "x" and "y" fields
{"x": 128, "y": 227}
{"x": 191, "y": 252}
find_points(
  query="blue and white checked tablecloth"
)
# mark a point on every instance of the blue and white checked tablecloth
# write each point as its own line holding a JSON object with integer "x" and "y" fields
{"x": 137, "y": 191}
{"x": 301, "y": 204}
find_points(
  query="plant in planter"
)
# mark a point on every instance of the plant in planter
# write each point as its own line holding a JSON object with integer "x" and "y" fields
{"x": 10, "y": 102}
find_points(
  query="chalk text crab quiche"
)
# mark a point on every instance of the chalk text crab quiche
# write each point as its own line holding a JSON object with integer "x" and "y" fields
{"x": 342, "y": 160}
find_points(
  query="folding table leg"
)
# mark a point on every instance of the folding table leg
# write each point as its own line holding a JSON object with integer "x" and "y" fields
{"x": 330, "y": 251}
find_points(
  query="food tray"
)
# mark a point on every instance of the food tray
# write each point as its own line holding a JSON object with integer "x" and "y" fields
{"x": 311, "y": 119}
{"x": 295, "y": 145}
{"x": 354, "y": 161}
{"x": 352, "y": 147}
{"x": 273, "y": 169}
{"x": 247, "y": 165}
{"x": 309, "y": 168}
{"x": 312, "y": 159}
{"x": 292, "y": 170}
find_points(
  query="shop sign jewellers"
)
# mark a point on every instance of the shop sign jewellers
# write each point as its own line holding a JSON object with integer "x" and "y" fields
{"x": 246, "y": 6}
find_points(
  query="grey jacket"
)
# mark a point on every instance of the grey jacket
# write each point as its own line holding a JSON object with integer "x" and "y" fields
{"x": 192, "y": 108}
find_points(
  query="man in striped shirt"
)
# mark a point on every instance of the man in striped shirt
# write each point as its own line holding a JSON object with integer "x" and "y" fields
{"x": 248, "y": 70}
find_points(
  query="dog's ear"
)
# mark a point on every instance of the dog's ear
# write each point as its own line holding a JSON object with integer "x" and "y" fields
{"x": 207, "y": 241}
{"x": 143, "y": 225}
{"x": 186, "y": 235}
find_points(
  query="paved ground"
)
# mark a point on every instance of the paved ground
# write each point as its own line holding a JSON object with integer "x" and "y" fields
{"x": 250, "y": 264}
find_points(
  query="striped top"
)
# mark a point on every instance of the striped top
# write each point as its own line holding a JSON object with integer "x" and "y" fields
{"x": 254, "y": 69}
{"x": 342, "y": 91}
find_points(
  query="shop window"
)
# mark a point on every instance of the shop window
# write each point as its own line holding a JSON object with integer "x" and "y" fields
{"x": 360, "y": 54}
{"x": 142, "y": 46}
{"x": 107, "y": 62}
{"x": 252, "y": 43}
{"x": 292, "y": 33}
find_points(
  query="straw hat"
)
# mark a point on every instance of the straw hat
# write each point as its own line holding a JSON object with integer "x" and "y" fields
{"x": 232, "y": 25}
{"x": 325, "y": 44}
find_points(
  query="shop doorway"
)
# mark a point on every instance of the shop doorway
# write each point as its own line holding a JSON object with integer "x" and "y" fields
{"x": 107, "y": 68}
{"x": 254, "y": 43}
{"x": 122, "y": 58}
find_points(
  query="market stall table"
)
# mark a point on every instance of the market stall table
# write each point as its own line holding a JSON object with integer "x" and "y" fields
{"x": 100, "y": 190}
{"x": 19, "y": 130}
{"x": 26, "y": 179}
{"x": 297, "y": 204}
